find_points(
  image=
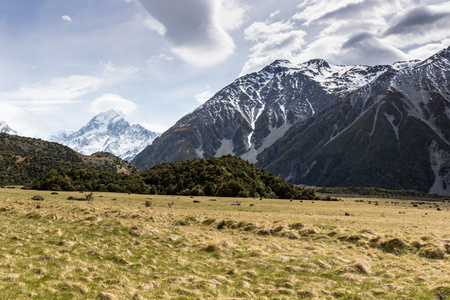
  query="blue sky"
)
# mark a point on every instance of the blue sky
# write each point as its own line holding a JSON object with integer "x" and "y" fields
{"x": 64, "y": 61}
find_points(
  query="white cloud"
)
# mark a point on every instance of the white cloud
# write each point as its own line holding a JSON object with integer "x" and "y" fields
{"x": 350, "y": 32}
{"x": 45, "y": 95}
{"x": 162, "y": 57}
{"x": 262, "y": 31}
{"x": 428, "y": 50}
{"x": 22, "y": 120}
{"x": 155, "y": 127}
{"x": 311, "y": 10}
{"x": 66, "y": 18}
{"x": 370, "y": 31}
{"x": 279, "y": 40}
{"x": 194, "y": 29}
{"x": 51, "y": 95}
{"x": 204, "y": 57}
{"x": 325, "y": 47}
{"x": 108, "y": 101}
{"x": 364, "y": 48}
{"x": 203, "y": 96}
{"x": 272, "y": 15}
{"x": 113, "y": 73}
{"x": 232, "y": 14}
{"x": 153, "y": 24}
{"x": 419, "y": 25}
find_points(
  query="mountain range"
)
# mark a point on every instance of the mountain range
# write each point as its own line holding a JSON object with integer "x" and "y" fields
{"x": 319, "y": 124}
{"x": 108, "y": 132}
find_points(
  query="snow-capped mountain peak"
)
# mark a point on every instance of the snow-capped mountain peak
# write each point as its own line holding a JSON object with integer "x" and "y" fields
{"x": 103, "y": 121}
{"x": 109, "y": 132}
{"x": 110, "y": 116}
{"x": 317, "y": 64}
{"x": 4, "y": 128}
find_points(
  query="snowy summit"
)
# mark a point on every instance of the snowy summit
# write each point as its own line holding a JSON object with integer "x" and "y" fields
{"x": 108, "y": 132}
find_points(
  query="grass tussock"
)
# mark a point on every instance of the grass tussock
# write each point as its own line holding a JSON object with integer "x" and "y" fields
{"x": 393, "y": 245}
{"x": 433, "y": 250}
{"x": 114, "y": 247}
{"x": 358, "y": 267}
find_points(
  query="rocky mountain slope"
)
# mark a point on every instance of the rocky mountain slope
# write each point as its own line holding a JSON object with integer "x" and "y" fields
{"x": 24, "y": 159}
{"x": 394, "y": 132}
{"x": 254, "y": 111}
{"x": 108, "y": 132}
{"x": 386, "y": 126}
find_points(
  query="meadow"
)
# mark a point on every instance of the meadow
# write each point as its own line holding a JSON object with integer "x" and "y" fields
{"x": 127, "y": 246}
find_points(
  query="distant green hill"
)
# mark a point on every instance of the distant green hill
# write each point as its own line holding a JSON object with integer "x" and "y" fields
{"x": 23, "y": 159}
{"x": 227, "y": 176}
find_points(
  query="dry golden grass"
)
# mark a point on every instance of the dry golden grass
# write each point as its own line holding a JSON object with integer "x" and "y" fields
{"x": 123, "y": 246}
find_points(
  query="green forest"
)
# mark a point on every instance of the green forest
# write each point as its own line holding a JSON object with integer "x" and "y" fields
{"x": 227, "y": 176}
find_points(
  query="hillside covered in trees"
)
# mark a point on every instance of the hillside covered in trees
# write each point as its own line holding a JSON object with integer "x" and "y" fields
{"x": 227, "y": 176}
{"x": 23, "y": 159}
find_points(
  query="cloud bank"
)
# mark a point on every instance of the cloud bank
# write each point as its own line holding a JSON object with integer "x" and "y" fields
{"x": 419, "y": 25}
{"x": 351, "y": 32}
{"x": 108, "y": 101}
{"x": 196, "y": 29}
{"x": 22, "y": 120}
{"x": 272, "y": 41}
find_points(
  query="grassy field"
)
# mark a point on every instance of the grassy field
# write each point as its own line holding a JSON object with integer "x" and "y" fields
{"x": 122, "y": 246}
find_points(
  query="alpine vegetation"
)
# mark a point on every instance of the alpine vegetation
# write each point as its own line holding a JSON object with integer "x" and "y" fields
{"x": 227, "y": 176}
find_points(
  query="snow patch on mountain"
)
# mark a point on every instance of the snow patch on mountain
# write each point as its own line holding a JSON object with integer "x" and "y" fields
{"x": 108, "y": 132}
{"x": 391, "y": 120}
{"x": 225, "y": 148}
{"x": 274, "y": 135}
{"x": 405, "y": 65}
{"x": 439, "y": 160}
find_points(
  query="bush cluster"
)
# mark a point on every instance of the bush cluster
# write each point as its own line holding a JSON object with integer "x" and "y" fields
{"x": 227, "y": 176}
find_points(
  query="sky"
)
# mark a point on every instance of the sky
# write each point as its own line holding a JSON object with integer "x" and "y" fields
{"x": 64, "y": 61}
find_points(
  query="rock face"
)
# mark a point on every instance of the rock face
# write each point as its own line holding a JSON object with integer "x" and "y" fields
{"x": 108, "y": 132}
{"x": 314, "y": 123}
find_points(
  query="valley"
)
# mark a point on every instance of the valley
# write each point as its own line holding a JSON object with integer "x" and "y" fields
{"x": 314, "y": 124}
{"x": 127, "y": 246}
{"x": 227, "y": 150}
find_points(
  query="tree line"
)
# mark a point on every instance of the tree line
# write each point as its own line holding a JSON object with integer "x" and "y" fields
{"x": 227, "y": 176}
